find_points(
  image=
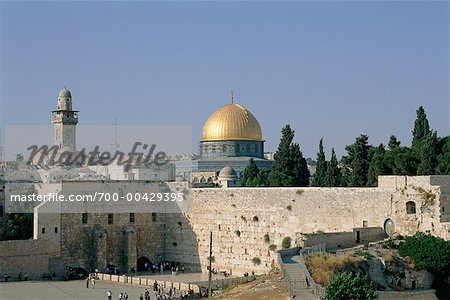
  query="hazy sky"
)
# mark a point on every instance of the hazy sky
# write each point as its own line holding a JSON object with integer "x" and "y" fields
{"x": 330, "y": 69}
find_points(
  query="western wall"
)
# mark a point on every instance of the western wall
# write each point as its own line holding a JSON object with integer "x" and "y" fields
{"x": 248, "y": 225}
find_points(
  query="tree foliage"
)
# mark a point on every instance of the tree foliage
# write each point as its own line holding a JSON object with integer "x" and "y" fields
{"x": 321, "y": 167}
{"x": 362, "y": 164}
{"x": 393, "y": 142}
{"x": 443, "y": 167}
{"x": 333, "y": 175}
{"x": 421, "y": 127}
{"x": 427, "y": 251}
{"x": 19, "y": 226}
{"x": 377, "y": 165}
{"x": 350, "y": 287}
{"x": 250, "y": 173}
{"x": 357, "y": 161}
{"x": 289, "y": 162}
{"x": 427, "y": 154}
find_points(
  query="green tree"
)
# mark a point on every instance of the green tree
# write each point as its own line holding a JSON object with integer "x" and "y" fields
{"x": 333, "y": 175}
{"x": 19, "y": 226}
{"x": 321, "y": 167}
{"x": 349, "y": 287}
{"x": 277, "y": 178}
{"x": 299, "y": 168}
{"x": 393, "y": 142}
{"x": 377, "y": 165}
{"x": 428, "y": 252}
{"x": 281, "y": 158}
{"x": 289, "y": 162}
{"x": 357, "y": 161}
{"x": 443, "y": 167}
{"x": 401, "y": 161}
{"x": 250, "y": 173}
{"x": 426, "y": 151}
{"x": 421, "y": 126}
{"x": 263, "y": 178}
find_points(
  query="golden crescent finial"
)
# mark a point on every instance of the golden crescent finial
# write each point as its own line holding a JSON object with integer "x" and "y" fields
{"x": 232, "y": 97}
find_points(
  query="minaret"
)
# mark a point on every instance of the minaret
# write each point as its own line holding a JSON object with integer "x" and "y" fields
{"x": 65, "y": 120}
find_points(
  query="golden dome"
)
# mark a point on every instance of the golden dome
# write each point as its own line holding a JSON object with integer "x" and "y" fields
{"x": 231, "y": 122}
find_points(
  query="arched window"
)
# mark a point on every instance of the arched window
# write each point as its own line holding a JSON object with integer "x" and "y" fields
{"x": 410, "y": 207}
{"x": 389, "y": 226}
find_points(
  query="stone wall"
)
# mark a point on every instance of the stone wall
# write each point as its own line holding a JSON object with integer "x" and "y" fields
{"x": 246, "y": 221}
{"x": 248, "y": 224}
{"x": 34, "y": 257}
{"x": 97, "y": 243}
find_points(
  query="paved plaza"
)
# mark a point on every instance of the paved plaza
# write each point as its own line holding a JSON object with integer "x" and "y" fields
{"x": 76, "y": 289}
{"x": 58, "y": 290}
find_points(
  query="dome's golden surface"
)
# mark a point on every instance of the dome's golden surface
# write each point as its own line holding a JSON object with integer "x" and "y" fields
{"x": 232, "y": 122}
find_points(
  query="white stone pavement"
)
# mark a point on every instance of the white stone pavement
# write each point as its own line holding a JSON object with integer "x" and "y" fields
{"x": 76, "y": 289}
{"x": 61, "y": 290}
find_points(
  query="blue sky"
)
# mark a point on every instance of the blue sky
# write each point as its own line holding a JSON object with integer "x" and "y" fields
{"x": 330, "y": 69}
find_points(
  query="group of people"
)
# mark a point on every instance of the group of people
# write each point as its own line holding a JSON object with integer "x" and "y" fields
{"x": 174, "y": 267}
{"x": 20, "y": 277}
{"x": 121, "y": 296}
{"x": 90, "y": 280}
{"x": 165, "y": 293}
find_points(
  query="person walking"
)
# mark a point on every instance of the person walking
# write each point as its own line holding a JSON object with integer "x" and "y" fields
{"x": 109, "y": 295}
{"x": 87, "y": 282}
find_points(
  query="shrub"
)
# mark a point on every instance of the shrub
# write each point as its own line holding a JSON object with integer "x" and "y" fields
{"x": 272, "y": 247}
{"x": 364, "y": 254}
{"x": 427, "y": 251}
{"x": 267, "y": 238}
{"x": 255, "y": 219}
{"x": 286, "y": 243}
{"x": 348, "y": 286}
{"x": 238, "y": 233}
{"x": 390, "y": 244}
{"x": 243, "y": 218}
{"x": 289, "y": 207}
{"x": 323, "y": 265}
{"x": 256, "y": 261}
{"x": 299, "y": 192}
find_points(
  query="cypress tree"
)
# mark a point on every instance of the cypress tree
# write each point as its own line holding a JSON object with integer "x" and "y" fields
{"x": 421, "y": 127}
{"x": 321, "y": 167}
{"x": 299, "y": 168}
{"x": 393, "y": 142}
{"x": 333, "y": 174}
{"x": 357, "y": 162}
{"x": 250, "y": 173}
{"x": 427, "y": 151}
{"x": 443, "y": 167}
{"x": 289, "y": 166}
{"x": 281, "y": 158}
{"x": 377, "y": 165}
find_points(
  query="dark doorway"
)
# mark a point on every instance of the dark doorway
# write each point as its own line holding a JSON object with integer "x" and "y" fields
{"x": 358, "y": 236}
{"x": 143, "y": 264}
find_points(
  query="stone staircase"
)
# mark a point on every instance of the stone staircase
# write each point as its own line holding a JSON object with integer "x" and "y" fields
{"x": 295, "y": 279}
